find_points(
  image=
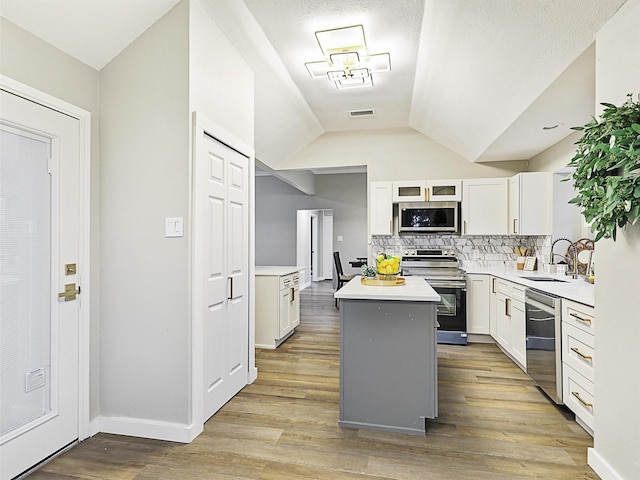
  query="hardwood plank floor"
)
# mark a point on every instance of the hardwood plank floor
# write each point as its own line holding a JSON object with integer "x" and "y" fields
{"x": 492, "y": 424}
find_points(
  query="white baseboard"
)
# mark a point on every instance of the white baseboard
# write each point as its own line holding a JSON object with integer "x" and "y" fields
{"x": 138, "y": 427}
{"x": 600, "y": 466}
{"x": 253, "y": 375}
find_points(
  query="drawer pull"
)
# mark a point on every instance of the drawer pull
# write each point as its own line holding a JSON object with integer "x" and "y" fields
{"x": 577, "y": 395}
{"x": 585, "y": 320}
{"x": 586, "y": 357}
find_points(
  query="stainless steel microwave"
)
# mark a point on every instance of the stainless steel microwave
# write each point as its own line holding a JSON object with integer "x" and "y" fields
{"x": 429, "y": 217}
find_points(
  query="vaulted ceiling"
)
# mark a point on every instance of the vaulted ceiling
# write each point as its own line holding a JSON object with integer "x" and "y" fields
{"x": 481, "y": 77}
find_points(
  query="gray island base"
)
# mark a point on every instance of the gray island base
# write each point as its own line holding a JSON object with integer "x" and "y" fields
{"x": 388, "y": 356}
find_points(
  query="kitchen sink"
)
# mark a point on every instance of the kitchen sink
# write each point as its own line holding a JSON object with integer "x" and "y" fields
{"x": 543, "y": 279}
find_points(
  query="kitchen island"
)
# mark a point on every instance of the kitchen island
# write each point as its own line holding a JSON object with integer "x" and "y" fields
{"x": 388, "y": 357}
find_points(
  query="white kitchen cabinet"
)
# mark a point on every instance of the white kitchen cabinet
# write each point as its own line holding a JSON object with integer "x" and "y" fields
{"x": 444, "y": 190}
{"x": 484, "y": 206}
{"x": 510, "y": 323}
{"x": 493, "y": 308}
{"x": 410, "y": 191}
{"x": 530, "y": 201}
{"x": 427, "y": 190}
{"x": 277, "y": 305}
{"x": 380, "y": 208}
{"x": 578, "y": 361}
{"x": 478, "y": 303}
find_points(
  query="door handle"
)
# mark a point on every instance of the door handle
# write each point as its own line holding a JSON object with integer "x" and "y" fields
{"x": 293, "y": 294}
{"x": 230, "y": 288}
{"x": 507, "y": 307}
{"x": 70, "y": 292}
{"x": 515, "y": 223}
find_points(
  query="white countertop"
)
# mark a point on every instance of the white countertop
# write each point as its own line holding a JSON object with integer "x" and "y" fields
{"x": 578, "y": 290}
{"x": 275, "y": 270}
{"x": 415, "y": 289}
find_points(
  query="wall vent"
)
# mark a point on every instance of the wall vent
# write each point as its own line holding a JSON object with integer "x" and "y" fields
{"x": 362, "y": 113}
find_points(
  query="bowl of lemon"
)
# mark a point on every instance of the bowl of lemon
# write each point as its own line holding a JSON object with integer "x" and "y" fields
{"x": 388, "y": 266}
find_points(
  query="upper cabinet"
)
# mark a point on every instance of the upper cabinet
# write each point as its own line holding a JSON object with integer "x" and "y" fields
{"x": 410, "y": 191}
{"x": 444, "y": 190}
{"x": 427, "y": 191}
{"x": 530, "y": 200}
{"x": 381, "y": 208}
{"x": 484, "y": 208}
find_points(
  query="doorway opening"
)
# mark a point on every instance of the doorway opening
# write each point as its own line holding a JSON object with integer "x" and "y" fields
{"x": 314, "y": 245}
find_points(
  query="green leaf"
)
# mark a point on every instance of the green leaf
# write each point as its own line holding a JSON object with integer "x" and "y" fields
{"x": 636, "y": 127}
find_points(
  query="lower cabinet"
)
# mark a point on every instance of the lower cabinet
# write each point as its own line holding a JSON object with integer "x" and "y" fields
{"x": 478, "y": 303}
{"x": 510, "y": 327}
{"x": 277, "y": 306}
{"x": 578, "y": 359}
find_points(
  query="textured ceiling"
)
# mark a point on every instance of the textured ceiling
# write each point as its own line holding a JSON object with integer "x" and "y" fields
{"x": 481, "y": 77}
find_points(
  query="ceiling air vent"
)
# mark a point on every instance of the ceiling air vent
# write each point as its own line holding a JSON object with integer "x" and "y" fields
{"x": 361, "y": 113}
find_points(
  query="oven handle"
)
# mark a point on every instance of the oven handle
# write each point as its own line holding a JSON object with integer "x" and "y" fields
{"x": 446, "y": 284}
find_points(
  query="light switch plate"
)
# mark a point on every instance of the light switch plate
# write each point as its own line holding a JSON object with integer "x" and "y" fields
{"x": 339, "y": 239}
{"x": 174, "y": 227}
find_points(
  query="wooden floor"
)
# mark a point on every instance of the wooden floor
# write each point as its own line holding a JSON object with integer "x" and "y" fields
{"x": 493, "y": 424}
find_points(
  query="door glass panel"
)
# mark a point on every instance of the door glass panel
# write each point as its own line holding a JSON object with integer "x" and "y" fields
{"x": 440, "y": 190}
{"x": 25, "y": 280}
{"x": 409, "y": 191}
{"x": 447, "y": 304}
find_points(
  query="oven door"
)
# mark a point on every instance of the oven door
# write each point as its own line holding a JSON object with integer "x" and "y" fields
{"x": 452, "y": 312}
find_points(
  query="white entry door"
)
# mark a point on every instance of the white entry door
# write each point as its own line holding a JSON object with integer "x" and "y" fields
{"x": 39, "y": 253}
{"x": 221, "y": 238}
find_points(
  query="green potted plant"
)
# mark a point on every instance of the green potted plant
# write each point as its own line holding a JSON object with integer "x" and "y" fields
{"x": 607, "y": 169}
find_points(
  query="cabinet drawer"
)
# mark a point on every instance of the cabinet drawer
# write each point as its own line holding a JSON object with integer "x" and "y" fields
{"x": 578, "y": 315}
{"x": 289, "y": 281}
{"x": 578, "y": 350}
{"x": 510, "y": 289}
{"x": 578, "y": 395}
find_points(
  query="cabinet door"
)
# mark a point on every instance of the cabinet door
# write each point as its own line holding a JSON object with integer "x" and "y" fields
{"x": 514, "y": 205}
{"x": 478, "y": 292}
{"x": 294, "y": 306}
{"x": 503, "y": 321}
{"x": 381, "y": 208}
{"x": 410, "y": 191}
{"x": 518, "y": 333}
{"x": 484, "y": 208}
{"x": 493, "y": 308}
{"x": 530, "y": 201}
{"x": 444, "y": 190}
{"x": 284, "y": 317}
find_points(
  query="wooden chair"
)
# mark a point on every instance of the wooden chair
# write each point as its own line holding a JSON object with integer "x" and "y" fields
{"x": 342, "y": 278}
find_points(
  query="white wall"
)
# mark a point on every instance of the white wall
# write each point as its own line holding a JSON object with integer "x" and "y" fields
{"x": 395, "y": 154}
{"x": 33, "y": 62}
{"x": 616, "y": 452}
{"x": 144, "y": 169}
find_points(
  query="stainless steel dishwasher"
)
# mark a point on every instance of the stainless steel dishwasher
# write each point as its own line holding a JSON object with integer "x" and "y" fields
{"x": 544, "y": 347}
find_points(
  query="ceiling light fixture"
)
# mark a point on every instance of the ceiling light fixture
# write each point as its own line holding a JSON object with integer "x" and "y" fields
{"x": 347, "y": 63}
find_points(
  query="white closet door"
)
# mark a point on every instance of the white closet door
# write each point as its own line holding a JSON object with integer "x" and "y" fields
{"x": 221, "y": 178}
{"x": 39, "y": 235}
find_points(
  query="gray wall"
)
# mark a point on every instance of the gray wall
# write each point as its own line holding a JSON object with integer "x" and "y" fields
{"x": 276, "y": 206}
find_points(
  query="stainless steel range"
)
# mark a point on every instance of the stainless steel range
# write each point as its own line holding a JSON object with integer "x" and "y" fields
{"x": 440, "y": 269}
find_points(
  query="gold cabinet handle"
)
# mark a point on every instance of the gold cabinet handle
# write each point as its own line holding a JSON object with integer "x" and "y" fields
{"x": 578, "y": 317}
{"x": 515, "y": 228}
{"x": 586, "y": 357}
{"x": 230, "y": 288}
{"x": 293, "y": 294}
{"x": 507, "y": 307}
{"x": 577, "y": 395}
{"x": 464, "y": 227}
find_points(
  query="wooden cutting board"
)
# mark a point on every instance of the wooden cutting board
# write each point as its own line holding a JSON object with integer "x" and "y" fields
{"x": 375, "y": 281}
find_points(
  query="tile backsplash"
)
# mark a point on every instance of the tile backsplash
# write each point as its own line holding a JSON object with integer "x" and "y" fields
{"x": 474, "y": 251}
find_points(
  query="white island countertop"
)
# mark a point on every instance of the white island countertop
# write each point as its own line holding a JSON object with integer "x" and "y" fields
{"x": 416, "y": 289}
{"x": 275, "y": 270}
